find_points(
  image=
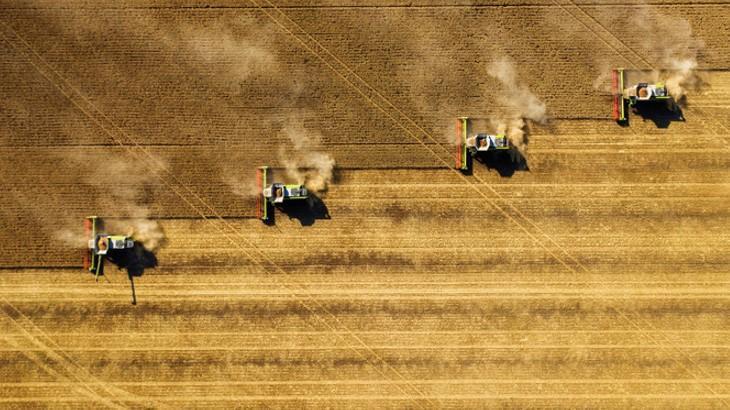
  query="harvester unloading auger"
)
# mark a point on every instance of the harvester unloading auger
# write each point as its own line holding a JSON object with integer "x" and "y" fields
{"x": 275, "y": 193}
{"x": 469, "y": 146}
{"x": 640, "y": 93}
{"x": 100, "y": 245}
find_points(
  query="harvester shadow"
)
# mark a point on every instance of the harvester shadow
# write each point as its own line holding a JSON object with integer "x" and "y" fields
{"x": 506, "y": 163}
{"x": 134, "y": 260}
{"x": 307, "y": 212}
{"x": 271, "y": 215}
{"x": 469, "y": 166}
{"x": 661, "y": 114}
{"x": 336, "y": 176}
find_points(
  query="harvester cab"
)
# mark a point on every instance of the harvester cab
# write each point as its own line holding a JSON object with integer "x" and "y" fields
{"x": 641, "y": 93}
{"x": 487, "y": 142}
{"x": 104, "y": 243}
{"x": 471, "y": 145}
{"x": 646, "y": 92}
{"x": 99, "y": 244}
{"x": 275, "y": 193}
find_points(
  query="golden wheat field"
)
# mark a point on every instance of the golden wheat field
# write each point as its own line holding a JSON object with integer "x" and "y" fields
{"x": 594, "y": 275}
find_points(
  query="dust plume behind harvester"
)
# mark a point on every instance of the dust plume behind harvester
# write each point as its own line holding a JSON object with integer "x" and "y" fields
{"x": 634, "y": 95}
{"x": 100, "y": 245}
{"x": 275, "y": 193}
{"x": 469, "y": 145}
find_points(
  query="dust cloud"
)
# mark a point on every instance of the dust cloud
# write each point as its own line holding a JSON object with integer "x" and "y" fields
{"x": 71, "y": 237}
{"x": 122, "y": 184}
{"x": 672, "y": 38}
{"x": 304, "y": 160}
{"x": 243, "y": 184}
{"x": 682, "y": 78}
{"x": 231, "y": 57}
{"x": 142, "y": 229}
{"x": 665, "y": 43}
{"x": 243, "y": 61}
{"x": 521, "y": 104}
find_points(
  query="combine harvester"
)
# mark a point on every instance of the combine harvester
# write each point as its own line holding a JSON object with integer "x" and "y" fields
{"x": 100, "y": 245}
{"x": 275, "y": 193}
{"x": 470, "y": 146}
{"x": 641, "y": 93}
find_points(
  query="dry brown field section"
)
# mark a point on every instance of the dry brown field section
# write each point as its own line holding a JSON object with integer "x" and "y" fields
{"x": 600, "y": 278}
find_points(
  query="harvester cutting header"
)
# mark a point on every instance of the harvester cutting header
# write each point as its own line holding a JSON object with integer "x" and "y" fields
{"x": 470, "y": 145}
{"x": 275, "y": 193}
